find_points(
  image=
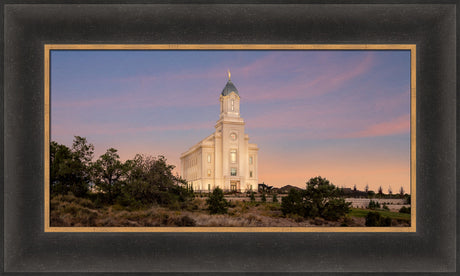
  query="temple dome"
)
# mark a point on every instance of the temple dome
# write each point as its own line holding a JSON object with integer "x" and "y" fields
{"x": 229, "y": 88}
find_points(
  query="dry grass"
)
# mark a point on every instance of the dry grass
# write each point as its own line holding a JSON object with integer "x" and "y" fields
{"x": 67, "y": 211}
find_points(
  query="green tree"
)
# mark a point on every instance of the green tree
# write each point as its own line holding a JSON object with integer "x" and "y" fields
{"x": 150, "y": 180}
{"x": 320, "y": 199}
{"x": 405, "y": 210}
{"x": 70, "y": 169}
{"x": 108, "y": 171}
{"x": 407, "y": 199}
{"x": 61, "y": 163}
{"x": 263, "y": 197}
{"x": 335, "y": 208}
{"x": 275, "y": 198}
{"x": 83, "y": 151}
{"x": 252, "y": 197}
{"x": 293, "y": 203}
{"x": 401, "y": 192}
{"x": 375, "y": 219}
{"x": 385, "y": 207}
{"x": 370, "y": 194}
{"x": 373, "y": 205}
{"x": 216, "y": 202}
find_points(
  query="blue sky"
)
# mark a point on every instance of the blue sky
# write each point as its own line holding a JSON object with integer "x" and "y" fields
{"x": 343, "y": 115}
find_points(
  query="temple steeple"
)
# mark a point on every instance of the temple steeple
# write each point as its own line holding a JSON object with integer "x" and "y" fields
{"x": 229, "y": 100}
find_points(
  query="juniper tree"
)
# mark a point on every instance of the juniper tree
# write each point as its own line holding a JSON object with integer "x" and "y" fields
{"x": 216, "y": 202}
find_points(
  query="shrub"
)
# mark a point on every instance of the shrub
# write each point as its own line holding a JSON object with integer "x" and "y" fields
{"x": 275, "y": 198}
{"x": 292, "y": 203}
{"x": 405, "y": 210}
{"x": 320, "y": 199}
{"x": 86, "y": 203}
{"x": 252, "y": 197}
{"x": 216, "y": 202}
{"x": 408, "y": 199}
{"x": 335, "y": 209}
{"x": 263, "y": 198}
{"x": 185, "y": 221}
{"x": 385, "y": 207}
{"x": 126, "y": 200}
{"x": 373, "y": 205}
{"x": 375, "y": 219}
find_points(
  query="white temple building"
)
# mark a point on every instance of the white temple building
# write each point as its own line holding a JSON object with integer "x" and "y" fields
{"x": 224, "y": 159}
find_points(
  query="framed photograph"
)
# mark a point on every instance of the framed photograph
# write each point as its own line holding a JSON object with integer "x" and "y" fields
{"x": 237, "y": 138}
{"x": 306, "y": 93}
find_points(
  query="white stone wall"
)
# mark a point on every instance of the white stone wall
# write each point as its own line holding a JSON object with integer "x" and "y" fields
{"x": 194, "y": 162}
{"x": 364, "y": 202}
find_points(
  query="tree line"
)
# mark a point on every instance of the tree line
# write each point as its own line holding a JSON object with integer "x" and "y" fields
{"x": 136, "y": 182}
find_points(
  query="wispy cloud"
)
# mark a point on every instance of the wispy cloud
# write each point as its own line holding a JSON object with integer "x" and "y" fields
{"x": 119, "y": 128}
{"x": 396, "y": 126}
{"x": 148, "y": 91}
{"x": 308, "y": 84}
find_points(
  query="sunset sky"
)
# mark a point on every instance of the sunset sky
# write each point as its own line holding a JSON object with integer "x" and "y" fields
{"x": 343, "y": 115}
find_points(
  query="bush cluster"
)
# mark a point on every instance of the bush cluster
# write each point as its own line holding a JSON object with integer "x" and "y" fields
{"x": 216, "y": 202}
{"x": 373, "y": 205}
{"x": 320, "y": 199}
{"x": 405, "y": 210}
{"x": 375, "y": 219}
{"x": 141, "y": 181}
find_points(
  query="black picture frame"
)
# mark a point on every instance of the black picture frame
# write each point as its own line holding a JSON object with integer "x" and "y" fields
{"x": 28, "y": 26}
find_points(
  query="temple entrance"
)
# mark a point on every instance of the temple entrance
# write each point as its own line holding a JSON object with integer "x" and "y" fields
{"x": 234, "y": 186}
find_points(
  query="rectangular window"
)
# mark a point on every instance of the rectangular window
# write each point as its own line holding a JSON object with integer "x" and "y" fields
{"x": 233, "y": 156}
{"x": 250, "y": 160}
{"x": 209, "y": 158}
{"x": 209, "y": 172}
{"x": 250, "y": 174}
{"x": 233, "y": 171}
{"x": 209, "y": 187}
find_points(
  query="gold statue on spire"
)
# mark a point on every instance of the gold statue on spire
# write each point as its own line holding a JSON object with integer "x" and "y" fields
{"x": 229, "y": 74}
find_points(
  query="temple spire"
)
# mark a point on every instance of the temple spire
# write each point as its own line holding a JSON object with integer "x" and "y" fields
{"x": 229, "y": 74}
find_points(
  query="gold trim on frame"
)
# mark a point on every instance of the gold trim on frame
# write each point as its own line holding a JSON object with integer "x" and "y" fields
{"x": 49, "y": 47}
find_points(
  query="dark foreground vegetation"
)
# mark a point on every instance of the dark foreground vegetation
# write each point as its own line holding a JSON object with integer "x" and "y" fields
{"x": 138, "y": 182}
{"x": 144, "y": 192}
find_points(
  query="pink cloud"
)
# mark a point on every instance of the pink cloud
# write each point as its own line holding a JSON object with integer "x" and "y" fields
{"x": 149, "y": 94}
{"x": 93, "y": 102}
{"x": 310, "y": 83}
{"x": 116, "y": 129}
{"x": 353, "y": 70}
{"x": 386, "y": 103}
{"x": 141, "y": 98}
{"x": 396, "y": 126}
